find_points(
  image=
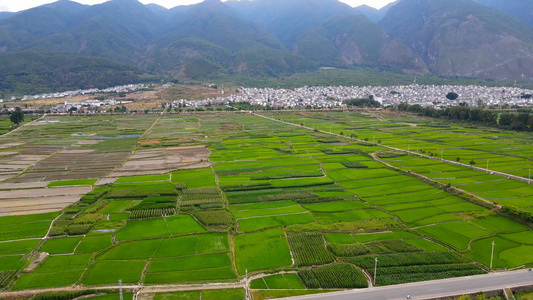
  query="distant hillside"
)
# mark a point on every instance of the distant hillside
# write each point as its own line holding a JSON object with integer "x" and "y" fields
{"x": 212, "y": 38}
{"x": 33, "y": 73}
{"x": 273, "y": 38}
{"x": 374, "y": 15}
{"x": 5, "y": 14}
{"x": 462, "y": 38}
{"x": 354, "y": 40}
{"x": 522, "y": 9}
{"x": 289, "y": 19}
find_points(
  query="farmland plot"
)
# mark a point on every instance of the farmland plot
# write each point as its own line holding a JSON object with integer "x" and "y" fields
{"x": 271, "y": 197}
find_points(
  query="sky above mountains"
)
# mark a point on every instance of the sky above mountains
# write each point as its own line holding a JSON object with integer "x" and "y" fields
{"x": 17, "y": 5}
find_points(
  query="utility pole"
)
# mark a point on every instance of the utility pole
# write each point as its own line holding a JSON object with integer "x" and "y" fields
{"x": 375, "y": 271}
{"x": 120, "y": 289}
{"x": 492, "y": 255}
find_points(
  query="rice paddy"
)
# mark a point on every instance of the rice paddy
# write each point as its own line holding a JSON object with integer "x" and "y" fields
{"x": 210, "y": 197}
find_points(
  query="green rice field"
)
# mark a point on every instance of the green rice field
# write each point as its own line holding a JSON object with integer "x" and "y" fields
{"x": 301, "y": 210}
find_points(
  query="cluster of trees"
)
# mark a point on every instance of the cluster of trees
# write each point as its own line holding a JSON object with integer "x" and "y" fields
{"x": 517, "y": 212}
{"x": 17, "y": 116}
{"x": 521, "y": 121}
{"x": 370, "y": 102}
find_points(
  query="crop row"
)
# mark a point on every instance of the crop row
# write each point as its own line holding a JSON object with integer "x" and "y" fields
{"x": 407, "y": 259}
{"x": 349, "y": 250}
{"x": 63, "y": 295}
{"x": 333, "y": 276}
{"x": 203, "y": 191}
{"x": 309, "y": 248}
{"x": 354, "y": 165}
{"x": 220, "y": 218}
{"x": 139, "y": 193}
{"x": 189, "y": 201}
{"x": 392, "y": 246}
{"x": 152, "y": 205}
{"x": 156, "y": 202}
{"x": 399, "y": 275}
{"x": 320, "y": 200}
{"x": 152, "y": 213}
{"x": 287, "y": 175}
{"x": 6, "y": 277}
{"x": 287, "y": 196}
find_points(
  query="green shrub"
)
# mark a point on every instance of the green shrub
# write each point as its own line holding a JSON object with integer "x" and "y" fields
{"x": 79, "y": 229}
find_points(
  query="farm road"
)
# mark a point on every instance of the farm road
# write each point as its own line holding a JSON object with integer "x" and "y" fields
{"x": 433, "y": 289}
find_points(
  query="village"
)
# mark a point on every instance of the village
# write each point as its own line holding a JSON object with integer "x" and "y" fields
{"x": 425, "y": 95}
{"x": 328, "y": 97}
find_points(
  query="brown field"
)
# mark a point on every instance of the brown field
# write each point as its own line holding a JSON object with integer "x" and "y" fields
{"x": 37, "y": 200}
{"x": 164, "y": 160}
{"x": 73, "y": 164}
{"x": 11, "y": 166}
{"x": 26, "y": 206}
{"x": 45, "y": 192}
{"x": 24, "y": 185}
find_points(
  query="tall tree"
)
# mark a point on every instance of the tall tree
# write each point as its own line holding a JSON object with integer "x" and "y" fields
{"x": 17, "y": 116}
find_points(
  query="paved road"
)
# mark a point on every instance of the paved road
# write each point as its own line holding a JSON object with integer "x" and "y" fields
{"x": 433, "y": 289}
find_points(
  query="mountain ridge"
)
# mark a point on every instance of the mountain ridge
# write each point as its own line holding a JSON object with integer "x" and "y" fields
{"x": 275, "y": 37}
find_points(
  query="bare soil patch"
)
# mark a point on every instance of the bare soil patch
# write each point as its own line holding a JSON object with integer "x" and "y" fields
{"x": 74, "y": 164}
{"x": 45, "y": 192}
{"x": 23, "y": 185}
{"x": 164, "y": 160}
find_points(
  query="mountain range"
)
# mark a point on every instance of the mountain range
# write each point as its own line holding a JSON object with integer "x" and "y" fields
{"x": 486, "y": 39}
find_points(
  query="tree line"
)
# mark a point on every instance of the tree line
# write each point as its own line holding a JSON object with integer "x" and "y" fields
{"x": 521, "y": 121}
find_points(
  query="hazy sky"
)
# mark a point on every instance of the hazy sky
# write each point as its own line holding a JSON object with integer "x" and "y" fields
{"x": 17, "y": 5}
